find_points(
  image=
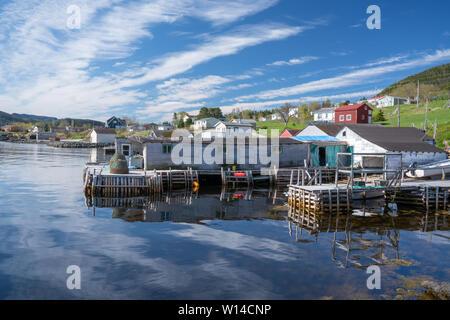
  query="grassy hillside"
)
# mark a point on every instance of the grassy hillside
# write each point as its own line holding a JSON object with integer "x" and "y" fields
{"x": 411, "y": 115}
{"x": 438, "y": 76}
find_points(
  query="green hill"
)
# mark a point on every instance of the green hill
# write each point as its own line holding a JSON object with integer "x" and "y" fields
{"x": 6, "y": 118}
{"x": 434, "y": 81}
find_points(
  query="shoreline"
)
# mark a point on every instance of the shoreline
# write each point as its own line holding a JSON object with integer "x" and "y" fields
{"x": 63, "y": 144}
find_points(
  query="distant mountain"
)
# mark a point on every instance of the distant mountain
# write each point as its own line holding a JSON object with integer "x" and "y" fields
{"x": 438, "y": 77}
{"x": 6, "y": 118}
{"x": 34, "y": 118}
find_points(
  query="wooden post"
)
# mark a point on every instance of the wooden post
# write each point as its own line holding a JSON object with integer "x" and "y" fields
{"x": 437, "y": 198}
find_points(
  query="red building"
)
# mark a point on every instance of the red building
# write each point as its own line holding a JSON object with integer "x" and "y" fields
{"x": 288, "y": 133}
{"x": 356, "y": 113}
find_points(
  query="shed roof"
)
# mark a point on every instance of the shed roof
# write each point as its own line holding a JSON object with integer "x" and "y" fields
{"x": 104, "y": 131}
{"x": 293, "y": 132}
{"x": 317, "y": 138}
{"x": 332, "y": 129}
{"x": 405, "y": 139}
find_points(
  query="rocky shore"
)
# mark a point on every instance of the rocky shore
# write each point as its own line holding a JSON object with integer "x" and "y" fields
{"x": 62, "y": 144}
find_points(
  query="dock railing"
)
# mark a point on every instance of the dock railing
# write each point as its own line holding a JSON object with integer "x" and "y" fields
{"x": 397, "y": 174}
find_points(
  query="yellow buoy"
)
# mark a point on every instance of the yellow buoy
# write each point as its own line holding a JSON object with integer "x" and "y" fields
{"x": 195, "y": 185}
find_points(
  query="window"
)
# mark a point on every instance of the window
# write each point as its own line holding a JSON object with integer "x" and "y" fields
{"x": 341, "y": 117}
{"x": 363, "y": 117}
{"x": 126, "y": 149}
{"x": 349, "y": 117}
{"x": 344, "y": 133}
{"x": 166, "y": 148}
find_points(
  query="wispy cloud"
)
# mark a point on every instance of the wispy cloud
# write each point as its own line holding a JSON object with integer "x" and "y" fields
{"x": 45, "y": 66}
{"x": 293, "y": 61}
{"x": 349, "y": 79}
{"x": 219, "y": 46}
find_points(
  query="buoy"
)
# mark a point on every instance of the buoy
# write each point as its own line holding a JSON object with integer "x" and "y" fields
{"x": 195, "y": 185}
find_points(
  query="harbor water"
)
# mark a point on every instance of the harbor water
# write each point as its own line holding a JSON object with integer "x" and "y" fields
{"x": 209, "y": 244}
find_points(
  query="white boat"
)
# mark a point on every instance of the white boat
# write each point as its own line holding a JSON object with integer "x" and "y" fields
{"x": 430, "y": 170}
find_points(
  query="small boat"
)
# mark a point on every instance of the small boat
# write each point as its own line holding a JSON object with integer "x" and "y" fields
{"x": 430, "y": 170}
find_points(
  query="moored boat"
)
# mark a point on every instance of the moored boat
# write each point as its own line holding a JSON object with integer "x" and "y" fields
{"x": 430, "y": 170}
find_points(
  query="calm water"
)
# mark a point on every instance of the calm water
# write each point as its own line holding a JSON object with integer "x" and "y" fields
{"x": 194, "y": 246}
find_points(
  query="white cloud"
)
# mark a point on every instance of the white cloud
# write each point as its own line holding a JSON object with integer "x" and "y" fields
{"x": 349, "y": 79}
{"x": 293, "y": 61}
{"x": 219, "y": 46}
{"x": 220, "y": 12}
{"x": 45, "y": 66}
{"x": 386, "y": 61}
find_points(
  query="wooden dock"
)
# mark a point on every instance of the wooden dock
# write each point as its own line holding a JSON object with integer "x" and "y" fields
{"x": 100, "y": 183}
{"x": 328, "y": 198}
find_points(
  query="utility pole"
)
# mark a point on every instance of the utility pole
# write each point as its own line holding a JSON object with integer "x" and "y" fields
{"x": 435, "y": 129}
{"x": 398, "y": 113}
{"x": 426, "y": 116}
{"x": 418, "y": 93}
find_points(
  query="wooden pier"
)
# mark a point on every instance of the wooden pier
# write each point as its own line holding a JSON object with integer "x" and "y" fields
{"x": 100, "y": 183}
{"x": 328, "y": 198}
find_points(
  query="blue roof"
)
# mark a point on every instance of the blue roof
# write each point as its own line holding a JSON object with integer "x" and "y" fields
{"x": 316, "y": 138}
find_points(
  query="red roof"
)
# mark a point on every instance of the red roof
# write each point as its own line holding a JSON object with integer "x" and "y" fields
{"x": 351, "y": 107}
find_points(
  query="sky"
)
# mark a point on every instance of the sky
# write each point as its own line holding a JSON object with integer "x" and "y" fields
{"x": 149, "y": 59}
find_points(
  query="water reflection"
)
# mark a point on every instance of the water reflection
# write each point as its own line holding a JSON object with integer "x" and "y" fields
{"x": 190, "y": 207}
{"x": 366, "y": 236}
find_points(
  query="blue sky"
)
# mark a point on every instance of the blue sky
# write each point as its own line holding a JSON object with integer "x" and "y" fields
{"x": 148, "y": 59}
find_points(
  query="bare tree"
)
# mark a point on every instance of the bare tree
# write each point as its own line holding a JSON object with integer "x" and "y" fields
{"x": 283, "y": 112}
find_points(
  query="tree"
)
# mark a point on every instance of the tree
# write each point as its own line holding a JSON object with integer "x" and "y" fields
{"x": 180, "y": 123}
{"x": 326, "y": 104}
{"x": 188, "y": 122}
{"x": 283, "y": 112}
{"x": 379, "y": 116}
{"x": 313, "y": 106}
{"x": 303, "y": 113}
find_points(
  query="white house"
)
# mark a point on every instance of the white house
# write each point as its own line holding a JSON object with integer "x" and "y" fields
{"x": 413, "y": 144}
{"x": 324, "y": 114}
{"x": 205, "y": 123}
{"x": 103, "y": 135}
{"x": 293, "y": 112}
{"x": 275, "y": 116}
{"x": 387, "y": 101}
{"x": 252, "y": 122}
{"x": 229, "y": 129}
{"x": 262, "y": 119}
